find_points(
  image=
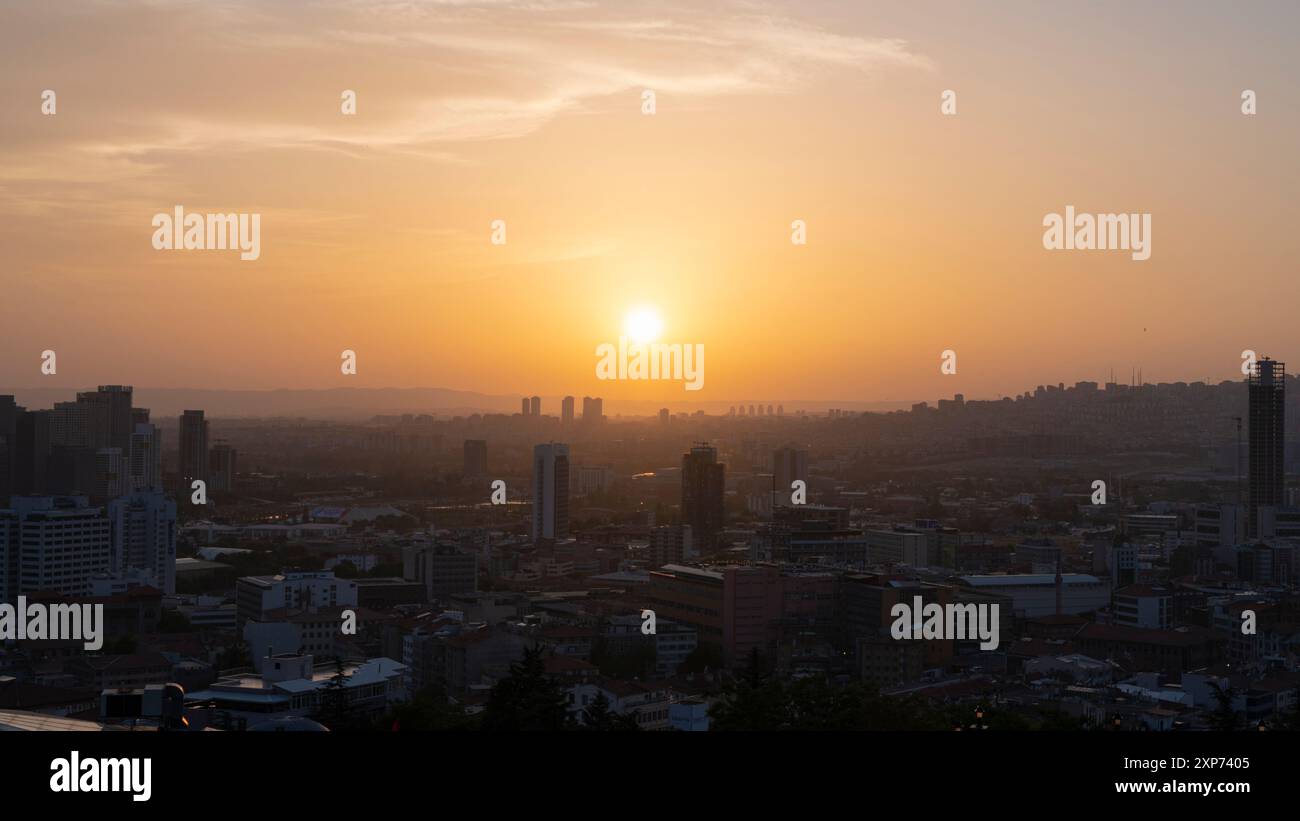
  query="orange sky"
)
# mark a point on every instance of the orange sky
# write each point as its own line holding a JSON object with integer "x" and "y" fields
{"x": 924, "y": 231}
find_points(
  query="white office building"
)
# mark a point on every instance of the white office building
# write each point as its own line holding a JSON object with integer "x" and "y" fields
{"x": 53, "y": 544}
{"x": 144, "y": 537}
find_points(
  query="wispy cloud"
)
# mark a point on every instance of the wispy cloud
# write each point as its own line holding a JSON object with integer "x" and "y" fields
{"x": 254, "y": 76}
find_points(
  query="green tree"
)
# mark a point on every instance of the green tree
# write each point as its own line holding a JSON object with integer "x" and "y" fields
{"x": 429, "y": 711}
{"x": 705, "y": 657}
{"x": 599, "y": 717}
{"x": 527, "y": 699}
{"x": 1224, "y": 716}
{"x": 334, "y": 710}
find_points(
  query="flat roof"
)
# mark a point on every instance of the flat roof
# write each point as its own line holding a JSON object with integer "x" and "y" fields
{"x": 1026, "y": 579}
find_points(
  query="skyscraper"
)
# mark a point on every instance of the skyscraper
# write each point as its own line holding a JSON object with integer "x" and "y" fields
{"x": 535, "y": 406}
{"x": 145, "y": 470}
{"x": 566, "y": 411}
{"x": 111, "y": 478}
{"x": 31, "y": 453}
{"x": 703, "y": 486}
{"x": 1267, "y": 414}
{"x": 10, "y": 414}
{"x": 475, "y": 458}
{"x": 789, "y": 464}
{"x": 194, "y": 448}
{"x": 221, "y": 467}
{"x": 550, "y": 491}
{"x": 523, "y": 406}
{"x": 109, "y": 416}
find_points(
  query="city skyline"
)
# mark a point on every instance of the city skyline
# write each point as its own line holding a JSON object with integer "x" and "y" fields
{"x": 253, "y": 402}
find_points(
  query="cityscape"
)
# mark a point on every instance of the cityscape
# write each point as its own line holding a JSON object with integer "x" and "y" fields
{"x": 662, "y": 572}
{"x": 688, "y": 386}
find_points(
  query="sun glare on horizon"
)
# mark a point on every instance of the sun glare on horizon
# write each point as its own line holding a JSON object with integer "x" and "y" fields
{"x": 643, "y": 324}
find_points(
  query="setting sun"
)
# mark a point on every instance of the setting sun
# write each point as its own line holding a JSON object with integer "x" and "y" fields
{"x": 643, "y": 325}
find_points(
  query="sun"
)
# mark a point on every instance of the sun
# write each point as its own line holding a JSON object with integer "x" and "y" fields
{"x": 643, "y": 324}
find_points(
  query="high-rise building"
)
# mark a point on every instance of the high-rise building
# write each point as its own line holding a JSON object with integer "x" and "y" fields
{"x": 475, "y": 458}
{"x": 10, "y": 412}
{"x": 566, "y": 411}
{"x": 111, "y": 478}
{"x": 535, "y": 406}
{"x": 443, "y": 569}
{"x": 108, "y": 414}
{"x": 77, "y": 448}
{"x": 221, "y": 467}
{"x": 592, "y": 410}
{"x": 703, "y": 487}
{"x": 53, "y": 544}
{"x": 145, "y": 470}
{"x": 789, "y": 464}
{"x": 144, "y": 538}
{"x": 194, "y": 448}
{"x": 523, "y": 406}
{"x": 590, "y": 479}
{"x": 1267, "y": 417}
{"x": 669, "y": 544}
{"x": 664, "y": 416}
{"x": 31, "y": 454}
{"x": 550, "y": 491}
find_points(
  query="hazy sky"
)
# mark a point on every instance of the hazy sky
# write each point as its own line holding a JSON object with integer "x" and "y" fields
{"x": 924, "y": 230}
